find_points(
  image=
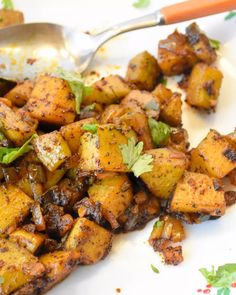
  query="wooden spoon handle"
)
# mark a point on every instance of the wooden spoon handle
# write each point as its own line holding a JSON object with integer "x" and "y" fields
{"x": 195, "y": 8}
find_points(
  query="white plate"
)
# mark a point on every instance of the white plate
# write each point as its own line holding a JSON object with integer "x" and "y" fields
{"x": 210, "y": 243}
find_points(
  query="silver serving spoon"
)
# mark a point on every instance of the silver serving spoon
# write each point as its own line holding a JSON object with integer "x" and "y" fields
{"x": 27, "y": 49}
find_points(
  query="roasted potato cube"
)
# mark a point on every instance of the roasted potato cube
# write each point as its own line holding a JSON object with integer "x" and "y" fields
{"x": 214, "y": 156}
{"x": 175, "y": 55}
{"x": 20, "y": 94}
{"x": 90, "y": 240}
{"x": 53, "y": 177}
{"x": 14, "y": 207}
{"x": 10, "y": 17}
{"x": 171, "y": 110}
{"x": 143, "y": 71}
{"x": 108, "y": 90}
{"x": 163, "y": 93}
{"x": 178, "y": 140}
{"x": 168, "y": 168}
{"x": 52, "y": 101}
{"x": 113, "y": 193}
{"x": 31, "y": 241}
{"x": 143, "y": 101}
{"x": 59, "y": 265}
{"x": 201, "y": 44}
{"x": 72, "y": 133}
{"x": 101, "y": 151}
{"x": 204, "y": 86}
{"x": 18, "y": 267}
{"x": 15, "y": 126}
{"x": 198, "y": 193}
{"x": 51, "y": 149}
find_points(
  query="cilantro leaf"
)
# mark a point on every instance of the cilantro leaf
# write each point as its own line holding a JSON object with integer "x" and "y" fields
{"x": 131, "y": 154}
{"x": 222, "y": 278}
{"x": 8, "y": 155}
{"x": 156, "y": 270}
{"x": 142, "y": 3}
{"x": 215, "y": 44}
{"x": 230, "y": 15}
{"x": 1, "y": 280}
{"x": 90, "y": 107}
{"x": 7, "y": 4}
{"x": 77, "y": 86}
{"x": 160, "y": 131}
{"x": 158, "y": 223}
{"x": 90, "y": 127}
{"x": 163, "y": 81}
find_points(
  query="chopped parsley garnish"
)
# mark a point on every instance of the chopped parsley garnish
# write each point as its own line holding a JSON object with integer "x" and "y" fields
{"x": 142, "y": 4}
{"x": 93, "y": 128}
{"x": 156, "y": 270}
{"x": 222, "y": 278}
{"x": 160, "y": 131}
{"x": 230, "y": 15}
{"x": 215, "y": 44}
{"x": 7, "y": 4}
{"x": 133, "y": 158}
{"x": 77, "y": 86}
{"x": 8, "y": 155}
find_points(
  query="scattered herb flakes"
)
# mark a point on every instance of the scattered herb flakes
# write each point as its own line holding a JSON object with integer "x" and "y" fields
{"x": 133, "y": 158}
{"x": 7, "y": 4}
{"x": 160, "y": 131}
{"x": 77, "y": 86}
{"x": 215, "y": 44}
{"x": 154, "y": 269}
{"x": 230, "y": 15}
{"x": 163, "y": 81}
{"x": 221, "y": 278}
{"x": 8, "y": 155}
{"x": 90, "y": 127}
{"x": 142, "y": 4}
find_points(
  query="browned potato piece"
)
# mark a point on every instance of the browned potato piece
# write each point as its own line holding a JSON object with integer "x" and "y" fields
{"x": 198, "y": 193}
{"x": 18, "y": 267}
{"x": 108, "y": 90}
{"x": 53, "y": 177}
{"x": 214, "y": 156}
{"x": 90, "y": 240}
{"x": 52, "y": 101}
{"x": 72, "y": 133}
{"x": 143, "y": 71}
{"x": 10, "y": 17}
{"x": 101, "y": 152}
{"x": 31, "y": 241}
{"x": 163, "y": 93}
{"x": 14, "y": 207}
{"x": 20, "y": 94}
{"x": 113, "y": 193}
{"x": 51, "y": 149}
{"x": 59, "y": 265}
{"x": 204, "y": 86}
{"x": 142, "y": 101}
{"x": 6, "y": 101}
{"x": 112, "y": 113}
{"x": 178, "y": 140}
{"x": 175, "y": 55}
{"x": 15, "y": 126}
{"x": 168, "y": 167}
{"x": 171, "y": 110}
{"x": 200, "y": 44}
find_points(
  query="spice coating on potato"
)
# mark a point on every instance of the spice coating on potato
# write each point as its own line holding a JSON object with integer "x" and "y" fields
{"x": 10, "y": 17}
{"x": 51, "y": 149}
{"x": 18, "y": 267}
{"x": 20, "y": 94}
{"x": 143, "y": 71}
{"x": 14, "y": 207}
{"x": 90, "y": 240}
{"x": 197, "y": 193}
{"x": 175, "y": 55}
{"x": 52, "y": 101}
{"x": 214, "y": 156}
{"x": 204, "y": 86}
{"x": 108, "y": 90}
{"x": 168, "y": 167}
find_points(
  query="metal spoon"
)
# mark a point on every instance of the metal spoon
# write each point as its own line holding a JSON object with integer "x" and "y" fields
{"x": 26, "y": 50}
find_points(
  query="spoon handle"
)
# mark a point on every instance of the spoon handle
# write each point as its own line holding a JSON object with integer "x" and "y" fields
{"x": 175, "y": 13}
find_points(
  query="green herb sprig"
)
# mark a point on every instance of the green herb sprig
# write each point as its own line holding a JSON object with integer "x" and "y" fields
{"x": 142, "y": 4}
{"x": 7, "y": 4}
